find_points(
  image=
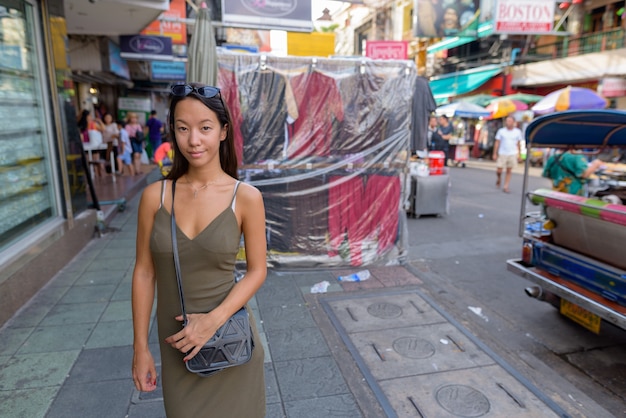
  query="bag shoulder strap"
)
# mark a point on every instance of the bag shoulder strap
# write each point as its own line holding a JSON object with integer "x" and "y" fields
{"x": 176, "y": 260}
{"x": 567, "y": 170}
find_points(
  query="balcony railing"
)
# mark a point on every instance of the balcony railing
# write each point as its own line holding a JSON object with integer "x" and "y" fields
{"x": 570, "y": 46}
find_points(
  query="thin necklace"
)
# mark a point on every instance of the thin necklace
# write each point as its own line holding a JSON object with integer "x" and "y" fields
{"x": 204, "y": 186}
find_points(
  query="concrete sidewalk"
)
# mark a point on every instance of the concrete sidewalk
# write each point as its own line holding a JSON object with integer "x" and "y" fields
{"x": 371, "y": 349}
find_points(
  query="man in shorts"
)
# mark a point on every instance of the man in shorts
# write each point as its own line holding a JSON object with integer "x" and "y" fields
{"x": 507, "y": 151}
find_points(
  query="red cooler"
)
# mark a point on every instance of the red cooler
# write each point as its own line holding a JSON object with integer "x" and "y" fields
{"x": 436, "y": 160}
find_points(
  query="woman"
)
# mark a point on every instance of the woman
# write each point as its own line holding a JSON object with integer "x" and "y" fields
{"x": 136, "y": 135}
{"x": 212, "y": 211}
{"x": 110, "y": 136}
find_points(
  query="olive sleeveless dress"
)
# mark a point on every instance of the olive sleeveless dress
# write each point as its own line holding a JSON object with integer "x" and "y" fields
{"x": 207, "y": 265}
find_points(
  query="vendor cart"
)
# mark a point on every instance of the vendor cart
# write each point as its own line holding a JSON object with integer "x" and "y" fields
{"x": 573, "y": 248}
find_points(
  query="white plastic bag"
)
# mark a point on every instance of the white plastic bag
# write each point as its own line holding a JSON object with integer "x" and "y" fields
{"x": 144, "y": 157}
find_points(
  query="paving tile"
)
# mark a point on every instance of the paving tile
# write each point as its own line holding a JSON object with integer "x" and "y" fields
{"x": 30, "y": 315}
{"x": 74, "y": 313}
{"x": 267, "y": 357}
{"x": 297, "y": 343}
{"x": 309, "y": 378}
{"x": 271, "y": 385}
{"x": 105, "y": 263}
{"x": 57, "y": 338}
{"x": 111, "y": 334}
{"x": 100, "y": 277}
{"x": 309, "y": 278}
{"x": 123, "y": 243}
{"x": 123, "y": 291}
{"x": 384, "y": 311}
{"x": 117, "y": 311}
{"x": 274, "y": 410}
{"x": 81, "y": 401}
{"x": 328, "y": 406}
{"x": 117, "y": 254}
{"x": 11, "y": 339}
{"x": 3, "y": 361}
{"x": 426, "y": 349}
{"x": 101, "y": 364}
{"x": 65, "y": 278}
{"x": 286, "y": 316}
{"x": 27, "y": 403}
{"x": 36, "y": 370}
{"x": 279, "y": 293}
{"x": 476, "y": 392}
{"x": 93, "y": 293}
{"x": 332, "y": 288}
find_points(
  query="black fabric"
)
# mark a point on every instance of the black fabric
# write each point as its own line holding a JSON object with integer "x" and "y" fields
{"x": 423, "y": 106}
{"x": 264, "y": 111}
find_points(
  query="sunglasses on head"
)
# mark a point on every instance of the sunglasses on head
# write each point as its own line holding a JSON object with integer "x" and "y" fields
{"x": 182, "y": 90}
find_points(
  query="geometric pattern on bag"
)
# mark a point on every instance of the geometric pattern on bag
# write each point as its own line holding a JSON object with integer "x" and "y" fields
{"x": 230, "y": 346}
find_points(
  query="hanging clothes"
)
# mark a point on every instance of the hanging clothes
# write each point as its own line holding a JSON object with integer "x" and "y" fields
{"x": 382, "y": 194}
{"x": 423, "y": 105}
{"x": 319, "y": 103}
{"x": 267, "y": 104}
{"x": 345, "y": 208}
{"x": 227, "y": 82}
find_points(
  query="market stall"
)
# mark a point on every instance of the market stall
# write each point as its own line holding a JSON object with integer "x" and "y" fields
{"x": 327, "y": 142}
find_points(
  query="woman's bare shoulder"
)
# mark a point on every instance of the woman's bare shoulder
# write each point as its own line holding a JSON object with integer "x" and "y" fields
{"x": 249, "y": 193}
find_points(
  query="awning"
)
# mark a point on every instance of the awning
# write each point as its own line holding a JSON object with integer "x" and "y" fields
{"x": 100, "y": 77}
{"x": 484, "y": 29}
{"x": 592, "y": 66}
{"x": 462, "y": 82}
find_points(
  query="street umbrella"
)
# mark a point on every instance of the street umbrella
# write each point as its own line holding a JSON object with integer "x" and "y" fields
{"x": 569, "y": 98}
{"x": 504, "y": 107}
{"x": 202, "y": 58}
{"x": 523, "y": 97}
{"x": 463, "y": 110}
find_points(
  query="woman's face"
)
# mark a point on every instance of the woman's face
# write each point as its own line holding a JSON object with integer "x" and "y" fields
{"x": 198, "y": 132}
{"x": 450, "y": 19}
{"x": 108, "y": 119}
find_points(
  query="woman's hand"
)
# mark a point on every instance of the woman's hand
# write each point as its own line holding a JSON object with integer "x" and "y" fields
{"x": 144, "y": 371}
{"x": 199, "y": 329}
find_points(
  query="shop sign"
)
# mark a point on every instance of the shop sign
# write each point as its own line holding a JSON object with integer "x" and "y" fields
{"x": 168, "y": 71}
{"x": 246, "y": 49}
{"x": 288, "y": 15}
{"x": 143, "y": 47}
{"x": 117, "y": 65}
{"x": 175, "y": 30}
{"x": 612, "y": 87}
{"x": 387, "y": 50}
{"x": 527, "y": 17}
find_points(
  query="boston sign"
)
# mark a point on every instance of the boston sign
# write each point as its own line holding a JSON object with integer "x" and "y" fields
{"x": 526, "y": 17}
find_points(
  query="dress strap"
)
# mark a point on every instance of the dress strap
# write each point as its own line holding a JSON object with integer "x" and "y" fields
{"x": 162, "y": 192}
{"x": 232, "y": 204}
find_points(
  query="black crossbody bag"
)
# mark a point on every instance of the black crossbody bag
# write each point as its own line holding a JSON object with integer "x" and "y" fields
{"x": 232, "y": 343}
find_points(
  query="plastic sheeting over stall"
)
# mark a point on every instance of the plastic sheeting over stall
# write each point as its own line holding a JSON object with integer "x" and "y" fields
{"x": 327, "y": 143}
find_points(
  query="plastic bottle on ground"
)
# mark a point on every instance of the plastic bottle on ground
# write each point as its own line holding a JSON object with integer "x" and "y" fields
{"x": 355, "y": 277}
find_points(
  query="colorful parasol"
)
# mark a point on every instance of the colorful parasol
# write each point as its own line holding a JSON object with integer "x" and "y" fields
{"x": 462, "y": 110}
{"x": 570, "y": 98}
{"x": 504, "y": 107}
{"x": 524, "y": 97}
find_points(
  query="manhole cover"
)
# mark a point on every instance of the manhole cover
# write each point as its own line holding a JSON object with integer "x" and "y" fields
{"x": 384, "y": 310}
{"x": 413, "y": 347}
{"x": 463, "y": 401}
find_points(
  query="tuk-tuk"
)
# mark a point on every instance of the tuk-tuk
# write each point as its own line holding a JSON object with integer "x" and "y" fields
{"x": 574, "y": 247}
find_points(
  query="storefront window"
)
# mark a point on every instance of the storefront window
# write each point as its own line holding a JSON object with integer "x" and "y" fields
{"x": 27, "y": 192}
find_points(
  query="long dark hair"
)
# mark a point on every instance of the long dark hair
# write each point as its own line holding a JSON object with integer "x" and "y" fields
{"x": 228, "y": 157}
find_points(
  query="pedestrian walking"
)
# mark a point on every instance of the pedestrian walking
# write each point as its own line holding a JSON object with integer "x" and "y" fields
{"x": 155, "y": 129}
{"x": 507, "y": 151}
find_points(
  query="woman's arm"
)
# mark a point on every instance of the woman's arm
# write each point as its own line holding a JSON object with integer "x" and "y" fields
{"x": 143, "y": 287}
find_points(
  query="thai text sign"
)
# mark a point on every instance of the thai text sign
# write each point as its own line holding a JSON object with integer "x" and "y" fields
{"x": 387, "y": 50}
{"x": 524, "y": 16}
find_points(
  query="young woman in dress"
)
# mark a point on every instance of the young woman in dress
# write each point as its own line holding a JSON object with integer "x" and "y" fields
{"x": 212, "y": 211}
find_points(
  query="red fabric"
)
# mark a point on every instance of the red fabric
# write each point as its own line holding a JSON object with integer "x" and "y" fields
{"x": 319, "y": 103}
{"x": 382, "y": 194}
{"x": 345, "y": 208}
{"x": 227, "y": 82}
